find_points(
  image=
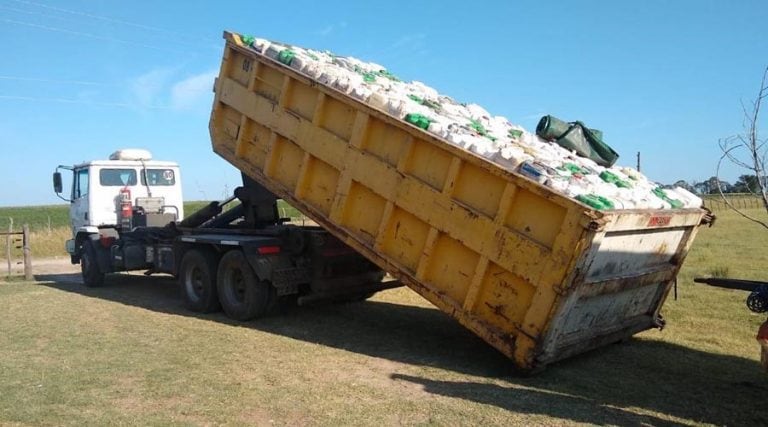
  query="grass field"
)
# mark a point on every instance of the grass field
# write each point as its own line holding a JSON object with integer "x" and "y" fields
{"x": 129, "y": 354}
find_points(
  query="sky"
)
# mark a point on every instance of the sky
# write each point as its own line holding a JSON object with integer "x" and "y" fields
{"x": 80, "y": 79}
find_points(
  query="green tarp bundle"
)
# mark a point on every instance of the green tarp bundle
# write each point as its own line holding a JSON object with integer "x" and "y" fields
{"x": 578, "y": 137}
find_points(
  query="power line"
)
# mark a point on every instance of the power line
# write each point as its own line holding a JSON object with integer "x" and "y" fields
{"x": 105, "y": 19}
{"x": 30, "y": 12}
{"x": 40, "y": 80}
{"x": 89, "y": 35}
{"x": 84, "y": 102}
{"x": 54, "y": 16}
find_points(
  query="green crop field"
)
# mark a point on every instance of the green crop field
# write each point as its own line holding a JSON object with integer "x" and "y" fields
{"x": 38, "y": 218}
{"x": 129, "y": 354}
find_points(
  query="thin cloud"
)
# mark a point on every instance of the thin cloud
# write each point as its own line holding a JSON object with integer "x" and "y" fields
{"x": 406, "y": 45}
{"x": 331, "y": 28}
{"x": 147, "y": 89}
{"x": 325, "y": 31}
{"x": 646, "y": 124}
{"x": 162, "y": 87}
{"x": 533, "y": 116}
{"x": 410, "y": 41}
{"x": 192, "y": 91}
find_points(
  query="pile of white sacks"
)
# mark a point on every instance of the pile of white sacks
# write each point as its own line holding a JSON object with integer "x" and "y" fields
{"x": 473, "y": 128}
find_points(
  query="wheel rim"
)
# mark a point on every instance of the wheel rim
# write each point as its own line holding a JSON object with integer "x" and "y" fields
{"x": 195, "y": 283}
{"x": 238, "y": 285}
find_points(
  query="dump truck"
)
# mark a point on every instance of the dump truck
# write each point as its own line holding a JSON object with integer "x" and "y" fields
{"x": 537, "y": 275}
{"x": 238, "y": 254}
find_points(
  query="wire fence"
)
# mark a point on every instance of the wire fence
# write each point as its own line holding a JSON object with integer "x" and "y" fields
{"x": 715, "y": 202}
{"x": 16, "y": 241}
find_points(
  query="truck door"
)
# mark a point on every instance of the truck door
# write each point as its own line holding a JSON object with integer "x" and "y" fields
{"x": 78, "y": 210}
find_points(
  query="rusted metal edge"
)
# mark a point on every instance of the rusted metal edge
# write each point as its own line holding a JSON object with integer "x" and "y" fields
{"x": 567, "y": 349}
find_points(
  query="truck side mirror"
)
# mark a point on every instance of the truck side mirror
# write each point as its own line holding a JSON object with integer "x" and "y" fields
{"x": 57, "y": 187}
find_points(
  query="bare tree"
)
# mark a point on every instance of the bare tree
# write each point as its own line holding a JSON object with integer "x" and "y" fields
{"x": 748, "y": 151}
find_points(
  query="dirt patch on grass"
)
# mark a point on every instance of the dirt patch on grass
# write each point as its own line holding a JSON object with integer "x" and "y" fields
{"x": 41, "y": 266}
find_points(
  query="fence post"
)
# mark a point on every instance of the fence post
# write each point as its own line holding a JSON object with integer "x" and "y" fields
{"x": 8, "y": 245}
{"x": 27, "y": 254}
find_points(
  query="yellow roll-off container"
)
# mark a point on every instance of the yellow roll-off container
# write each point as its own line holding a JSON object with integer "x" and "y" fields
{"x": 536, "y": 274}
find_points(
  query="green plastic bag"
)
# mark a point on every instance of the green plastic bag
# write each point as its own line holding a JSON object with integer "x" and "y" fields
{"x": 659, "y": 192}
{"x": 425, "y": 102}
{"x": 598, "y": 202}
{"x": 418, "y": 120}
{"x": 576, "y": 136}
{"x": 611, "y": 178}
{"x": 480, "y": 129}
{"x": 286, "y": 56}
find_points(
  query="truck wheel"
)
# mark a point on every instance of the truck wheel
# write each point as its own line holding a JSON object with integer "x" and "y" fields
{"x": 243, "y": 296}
{"x": 197, "y": 279}
{"x": 92, "y": 276}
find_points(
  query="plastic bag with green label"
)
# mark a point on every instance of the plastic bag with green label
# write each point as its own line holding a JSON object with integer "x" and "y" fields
{"x": 576, "y": 136}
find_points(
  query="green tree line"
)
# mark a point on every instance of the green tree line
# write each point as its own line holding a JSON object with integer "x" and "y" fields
{"x": 744, "y": 184}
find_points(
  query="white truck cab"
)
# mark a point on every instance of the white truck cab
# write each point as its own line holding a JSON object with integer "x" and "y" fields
{"x": 126, "y": 191}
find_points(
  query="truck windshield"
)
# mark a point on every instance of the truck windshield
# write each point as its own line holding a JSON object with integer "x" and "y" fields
{"x": 117, "y": 177}
{"x": 159, "y": 177}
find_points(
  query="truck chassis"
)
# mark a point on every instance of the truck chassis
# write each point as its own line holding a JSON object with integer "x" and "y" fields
{"x": 243, "y": 260}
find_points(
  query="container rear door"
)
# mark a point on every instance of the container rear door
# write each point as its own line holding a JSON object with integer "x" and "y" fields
{"x": 621, "y": 285}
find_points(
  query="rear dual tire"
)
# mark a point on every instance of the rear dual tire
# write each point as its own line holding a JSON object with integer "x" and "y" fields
{"x": 243, "y": 296}
{"x": 197, "y": 277}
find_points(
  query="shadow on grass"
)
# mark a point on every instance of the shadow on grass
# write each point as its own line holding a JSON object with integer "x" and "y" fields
{"x": 643, "y": 374}
{"x": 533, "y": 401}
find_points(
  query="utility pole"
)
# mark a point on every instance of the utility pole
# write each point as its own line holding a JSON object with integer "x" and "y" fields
{"x": 638, "y": 161}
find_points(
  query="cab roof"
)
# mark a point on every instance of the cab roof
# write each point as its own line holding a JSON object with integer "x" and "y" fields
{"x": 129, "y": 163}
